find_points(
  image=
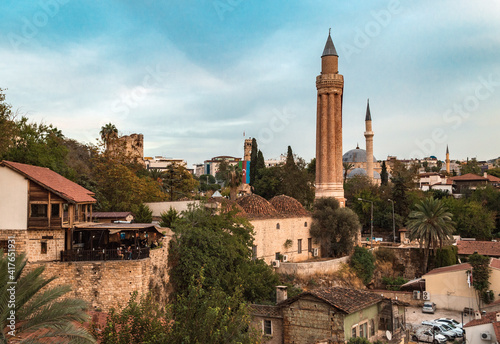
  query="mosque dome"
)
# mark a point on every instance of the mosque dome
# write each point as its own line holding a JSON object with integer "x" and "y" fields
{"x": 287, "y": 205}
{"x": 362, "y": 172}
{"x": 256, "y": 205}
{"x": 356, "y": 155}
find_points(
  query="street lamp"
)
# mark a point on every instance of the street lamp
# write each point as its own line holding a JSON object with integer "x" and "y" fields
{"x": 371, "y": 222}
{"x": 393, "y": 222}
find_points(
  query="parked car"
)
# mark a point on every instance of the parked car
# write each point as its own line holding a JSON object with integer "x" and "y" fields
{"x": 458, "y": 331}
{"x": 449, "y": 321}
{"x": 447, "y": 331}
{"x": 424, "y": 335}
{"x": 429, "y": 307}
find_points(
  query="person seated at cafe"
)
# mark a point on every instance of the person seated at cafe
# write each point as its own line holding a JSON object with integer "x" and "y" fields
{"x": 129, "y": 251}
{"x": 119, "y": 252}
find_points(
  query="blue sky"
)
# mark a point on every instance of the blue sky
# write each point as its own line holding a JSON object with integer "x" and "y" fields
{"x": 193, "y": 76}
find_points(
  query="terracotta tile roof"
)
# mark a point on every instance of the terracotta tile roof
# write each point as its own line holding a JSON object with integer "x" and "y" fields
{"x": 468, "y": 177}
{"x": 487, "y": 318}
{"x": 496, "y": 327}
{"x": 486, "y": 248}
{"x": 257, "y": 206}
{"x": 451, "y": 268}
{"x": 52, "y": 181}
{"x": 110, "y": 214}
{"x": 495, "y": 263}
{"x": 344, "y": 299}
{"x": 287, "y": 205}
{"x": 493, "y": 179}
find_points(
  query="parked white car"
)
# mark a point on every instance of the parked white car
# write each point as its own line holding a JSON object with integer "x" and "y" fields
{"x": 439, "y": 328}
{"x": 449, "y": 321}
{"x": 424, "y": 335}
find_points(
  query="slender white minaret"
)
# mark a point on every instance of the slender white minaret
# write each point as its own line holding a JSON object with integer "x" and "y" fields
{"x": 369, "y": 142}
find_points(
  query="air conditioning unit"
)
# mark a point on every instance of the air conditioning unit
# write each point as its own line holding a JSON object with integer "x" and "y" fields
{"x": 416, "y": 294}
{"x": 315, "y": 252}
{"x": 426, "y": 296}
{"x": 485, "y": 336}
{"x": 275, "y": 263}
{"x": 285, "y": 258}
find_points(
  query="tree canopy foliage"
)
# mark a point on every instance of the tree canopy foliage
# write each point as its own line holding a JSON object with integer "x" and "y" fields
{"x": 481, "y": 272}
{"x": 363, "y": 263}
{"x": 333, "y": 227}
{"x": 431, "y": 224}
{"x": 292, "y": 179}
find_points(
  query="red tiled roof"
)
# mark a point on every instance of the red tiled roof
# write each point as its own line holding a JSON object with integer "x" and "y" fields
{"x": 451, "y": 268}
{"x": 110, "y": 214}
{"x": 347, "y": 300}
{"x": 487, "y": 318}
{"x": 52, "y": 181}
{"x": 468, "y": 176}
{"x": 486, "y": 248}
{"x": 495, "y": 263}
{"x": 493, "y": 179}
{"x": 496, "y": 327}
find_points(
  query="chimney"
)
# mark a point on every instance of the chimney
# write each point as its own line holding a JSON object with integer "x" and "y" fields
{"x": 477, "y": 315}
{"x": 498, "y": 316}
{"x": 281, "y": 293}
{"x": 485, "y": 175}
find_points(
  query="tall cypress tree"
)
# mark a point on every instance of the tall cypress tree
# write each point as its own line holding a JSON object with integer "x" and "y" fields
{"x": 253, "y": 161}
{"x": 384, "y": 176}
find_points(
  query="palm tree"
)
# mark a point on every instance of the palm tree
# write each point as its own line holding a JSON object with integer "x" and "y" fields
{"x": 430, "y": 224}
{"x": 108, "y": 133}
{"x": 40, "y": 316}
{"x": 347, "y": 167}
{"x": 233, "y": 180}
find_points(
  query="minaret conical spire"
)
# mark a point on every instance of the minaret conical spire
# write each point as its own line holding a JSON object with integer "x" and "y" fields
{"x": 368, "y": 114}
{"x": 329, "y": 47}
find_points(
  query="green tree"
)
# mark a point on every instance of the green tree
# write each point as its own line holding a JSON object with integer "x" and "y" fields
{"x": 446, "y": 256}
{"x": 431, "y": 224}
{"x": 347, "y": 167}
{"x": 142, "y": 213}
{"x": 141, "y": 322}
{"x": 178, "y": 182}
{"x": 471, "y": 166}
{"x": 403, "y": 180}
{"x": 481, "y": 272}
{"x": 109, "y": 133}
{"x": 168, "y": 218}
{"x": 384, "y": 175}
{"x": 363, "y": 263}
{"x": 210, "y": 315}
{"x": 254, "y": 157}
{"x": 472, "y": 219}
{"x": 358, "y": 340}
{"x": 35, "y": 309}
{"x": 7, "y": 124}
{"x": 215, "y": 243}
{"x": 333, "y": 227}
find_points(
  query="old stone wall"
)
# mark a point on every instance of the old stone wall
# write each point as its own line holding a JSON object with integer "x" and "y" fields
{"x": 44, "y": 244}
{"x": 286, "y": 236}
{"x": 309, "y": 321}
{"x": 109, "y": 284}
{"x": 19, "y": 236}
{"x": 306, "y": 269}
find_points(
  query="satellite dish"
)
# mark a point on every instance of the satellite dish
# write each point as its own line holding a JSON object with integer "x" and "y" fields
{"x": 388, "y": 334}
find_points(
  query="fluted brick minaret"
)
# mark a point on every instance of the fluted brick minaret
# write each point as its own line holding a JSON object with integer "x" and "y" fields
{"x": 369, "y": 142}
{"x": 447, "y": 160}
{"x": 330, "y": 85}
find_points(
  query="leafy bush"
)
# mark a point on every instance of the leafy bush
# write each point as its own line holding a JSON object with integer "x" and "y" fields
{"x": 142, "y": 213}
{"x": 358, "y": 340}
{"x": 394, "y": 283}
{"x": 446, "y": 256}
{"x": 363, "y": 263}
{"x": 168, "y": 218}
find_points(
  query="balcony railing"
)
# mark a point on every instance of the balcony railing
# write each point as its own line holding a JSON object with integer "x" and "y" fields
{"x": 76, "y": 255}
